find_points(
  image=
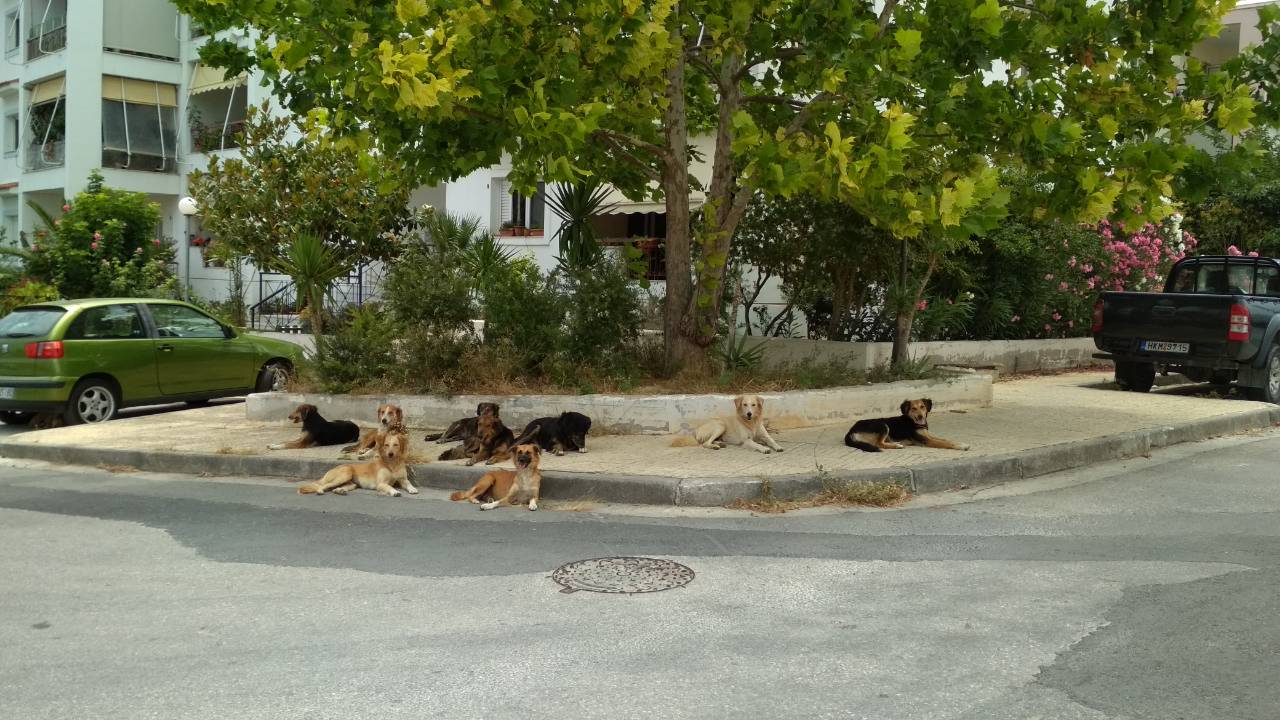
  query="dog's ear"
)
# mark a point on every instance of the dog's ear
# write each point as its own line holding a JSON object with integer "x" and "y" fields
{"x": 928, "y": 404}
{"x": 737, "y": 402}
{"x": 905, "y": 407}
{"x": 304, "y": 411}
{"x": 480, "y": 408}
{"x": 760, "y": 404}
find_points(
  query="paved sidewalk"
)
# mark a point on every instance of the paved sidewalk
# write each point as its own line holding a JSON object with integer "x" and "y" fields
{"x": 1036, "y": 425}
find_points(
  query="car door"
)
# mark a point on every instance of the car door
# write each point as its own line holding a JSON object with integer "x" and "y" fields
{"x": 194, "y": 353}
{"x": 112, "y": 339}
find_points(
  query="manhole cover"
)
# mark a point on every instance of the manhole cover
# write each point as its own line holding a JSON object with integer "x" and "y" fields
{"x": 622, "y": 575}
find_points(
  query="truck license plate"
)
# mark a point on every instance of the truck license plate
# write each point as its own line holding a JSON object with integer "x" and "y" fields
{"x": 6, "y": 393}
{"x": 1166, "y": 347}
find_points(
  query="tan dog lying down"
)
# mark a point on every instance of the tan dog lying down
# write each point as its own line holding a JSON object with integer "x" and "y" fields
{"x": 389, "y": 417}
{"x": 509, "y": 487}
{"x": 382, "y": 474}
{"x": 745, "y": 427}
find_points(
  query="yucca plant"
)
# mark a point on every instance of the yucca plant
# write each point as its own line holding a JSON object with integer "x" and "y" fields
{"x": 575, "y": 204}
{"x": 314, "y": 266}
{"x": 450, "y": 232}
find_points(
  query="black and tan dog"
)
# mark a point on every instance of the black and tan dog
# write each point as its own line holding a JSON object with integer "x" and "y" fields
{"x": 318, "y": 431}
{"x": 558, "y": 434}
{"x": 509, "y": 487}
{"x": 911, "y": 427}
{"x": 464, "y": 429}
{"x": 491, "y": 442}
{"x": 389, "y": 416}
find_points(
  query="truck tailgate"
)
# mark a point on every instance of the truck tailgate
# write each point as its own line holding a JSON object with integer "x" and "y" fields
{"x": 1200, "y": 320}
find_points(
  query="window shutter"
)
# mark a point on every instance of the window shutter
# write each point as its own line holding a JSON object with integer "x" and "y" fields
{"x": 504, "y": 201}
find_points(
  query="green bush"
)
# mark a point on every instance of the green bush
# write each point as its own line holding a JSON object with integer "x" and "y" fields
{"x": 104, "y": 245}
{"x": 526, "y": 309}
{"x": 605, "y": 310}
{"x": 430, "y": 290}
{"x": 360, "y": 351}
{"x": 26, "y": 292}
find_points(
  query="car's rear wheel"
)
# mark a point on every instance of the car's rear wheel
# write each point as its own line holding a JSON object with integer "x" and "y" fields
{"x": 93, "y": 400}
{"x": 14, "y": 417}
{"x": 1135, "y": 376}
{"x": 273, "y": 378}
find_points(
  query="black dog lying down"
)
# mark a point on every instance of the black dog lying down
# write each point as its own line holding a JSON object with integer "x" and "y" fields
{"x": 911, "y": 427}
{"x": 558, "y": 434}
{"x": 318, "y": 431}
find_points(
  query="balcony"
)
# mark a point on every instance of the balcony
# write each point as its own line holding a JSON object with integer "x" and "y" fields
{"x": 207, "y": 138}
{"x": 51, "y": 154}
{"x": 46, "y": 38}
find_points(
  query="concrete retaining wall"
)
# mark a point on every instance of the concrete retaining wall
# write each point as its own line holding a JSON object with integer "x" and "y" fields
{"x": 1007, "y": 356}
{"x": 644, "y": 414}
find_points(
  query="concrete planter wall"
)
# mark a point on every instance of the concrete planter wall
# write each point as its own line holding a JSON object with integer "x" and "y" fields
{"x": 1005, "y": 355}
{"x": 644, "y": 414}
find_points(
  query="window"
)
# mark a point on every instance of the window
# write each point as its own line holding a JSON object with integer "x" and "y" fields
{"x": 1268, "y": 281}
{"x": 139, "y": 128}
{"x": 12, "y": 32}
{"x": 11, "y": 134}
{"x": 176, "y": 321}
{"x": 110, "y": 322}
{"x": 516, "y": 210}
{"x": 1240, "y": 279}
{"x": 30, "y": 322}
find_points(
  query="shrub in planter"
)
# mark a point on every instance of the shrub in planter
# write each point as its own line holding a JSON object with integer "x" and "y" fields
{"x": 360, "y": 351}
{"x": 605, "y": 310}
{"x": 527, "y": 309}
{"x": 430, "y": 290}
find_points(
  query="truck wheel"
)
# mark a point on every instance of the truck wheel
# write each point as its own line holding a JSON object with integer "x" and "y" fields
{"x": 1135, "y": 376}
{"x": 1269, "y": 392}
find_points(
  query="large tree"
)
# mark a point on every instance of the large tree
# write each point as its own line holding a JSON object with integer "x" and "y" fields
{"x": 897, "y": 107}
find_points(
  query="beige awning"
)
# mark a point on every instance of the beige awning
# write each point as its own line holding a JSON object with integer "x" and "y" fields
{"x": 141, "y": 92}
{"x": 699, "y": 169}
{"x": 48, "y": 90}
{"x": 206, "y": 78}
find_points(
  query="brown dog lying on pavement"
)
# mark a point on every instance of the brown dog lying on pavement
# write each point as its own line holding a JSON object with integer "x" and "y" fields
{"x": 509, "y": 487}
{"x": 911, "y": 427}
{"x": 745, "y": 427}
{"x": 389, "y": 416}
{"x": 464, "y": 429}
{"x": 318, "y": 431}
{"x": 383, "y": 474}
{"x": 492, "y": 440}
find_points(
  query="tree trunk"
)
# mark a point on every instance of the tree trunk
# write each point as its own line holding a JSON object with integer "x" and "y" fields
{"x": 675, "y": 186}
{"x": 906, "y": 315}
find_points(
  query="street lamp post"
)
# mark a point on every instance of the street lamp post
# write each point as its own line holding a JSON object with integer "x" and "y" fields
{"x": 188, "y": 207}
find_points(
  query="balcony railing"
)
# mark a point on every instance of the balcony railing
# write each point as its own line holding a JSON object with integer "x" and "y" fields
{"x": 47, "y": 38}
{"x": 212, "y": 138}
{"x": 48, "y": 155}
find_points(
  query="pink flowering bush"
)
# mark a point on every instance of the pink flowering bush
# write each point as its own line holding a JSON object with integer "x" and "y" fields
{"x": 1040, "y": 280}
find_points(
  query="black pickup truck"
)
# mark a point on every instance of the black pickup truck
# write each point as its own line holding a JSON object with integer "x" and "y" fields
{"x": 1218, "y": 321}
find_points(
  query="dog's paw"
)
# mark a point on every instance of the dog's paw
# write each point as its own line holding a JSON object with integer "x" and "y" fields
{"x": 275, "y": 446}
{"x": 394, "y": 493}
{"x": 489, "y": 506}
{"x": 965, "y": 446}
{"x": 490, "y": 461}
{"x": 559, "y": 452}
{"x": 469, "y": 463}
{"x": 777, "y": 449}
{"x": 412, "y": 490}
{"x": 340, "y": 491}
{"x": 582, "y": 450}
{"x": 533, "y": 504}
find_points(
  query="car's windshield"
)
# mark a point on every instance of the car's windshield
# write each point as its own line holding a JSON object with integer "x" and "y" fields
{"x": 30, "y": 322}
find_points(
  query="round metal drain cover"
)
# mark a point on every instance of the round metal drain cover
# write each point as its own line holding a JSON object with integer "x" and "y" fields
{"x": 622, "y": 575}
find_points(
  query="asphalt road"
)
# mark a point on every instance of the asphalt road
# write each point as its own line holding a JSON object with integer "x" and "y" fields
{"x": 1144, "y": 589}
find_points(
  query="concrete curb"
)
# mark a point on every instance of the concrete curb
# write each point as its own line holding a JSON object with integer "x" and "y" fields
{"x": 695, "y": 492}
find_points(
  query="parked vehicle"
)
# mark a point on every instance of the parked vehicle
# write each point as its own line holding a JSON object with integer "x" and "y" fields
{"x": 1218, "y": 320}
{"x": 87, "y": 359}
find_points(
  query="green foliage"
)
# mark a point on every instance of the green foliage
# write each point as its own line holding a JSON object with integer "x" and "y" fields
{"x": 27, "y": 292}
{"x": 313, "y": 266}
{"x": 737, "y": 356}
{"x": 103, "y": 245}
{"x": 431, "y": 291}
{"x": 281, "y": 187}
{"x": 1233, "y": 198}
{"x": 361, "y": 349}
{"x": 604, "y": 310}
{"x": 899, "y": 110}
{"x": 575, "y": 204}
{"x": 527, "y": 310}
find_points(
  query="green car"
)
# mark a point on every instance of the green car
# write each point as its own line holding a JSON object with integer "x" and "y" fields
{"x": 87, "y": 359}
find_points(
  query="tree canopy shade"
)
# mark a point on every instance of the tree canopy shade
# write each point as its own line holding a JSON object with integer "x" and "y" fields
{"x": 899, "y": 108}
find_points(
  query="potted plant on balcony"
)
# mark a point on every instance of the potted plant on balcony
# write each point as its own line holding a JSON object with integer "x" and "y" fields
{"x": 506, "y": 230}
{"x": 535, "y": 231}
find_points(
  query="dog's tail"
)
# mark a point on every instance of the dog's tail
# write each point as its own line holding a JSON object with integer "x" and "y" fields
{"x": 309, "y": 489}
{"x": 684, "y": 441}
{"x": 432, "y": 436}
{"x": 457, "y": 496}
{"x": 529, "y": 433}
{"x": 454, "y": 453}
{"x": 864, "y": 446}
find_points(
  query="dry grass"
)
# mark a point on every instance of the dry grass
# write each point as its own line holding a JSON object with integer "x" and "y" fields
{"x": 584, "y": 505}
{"x": 847, "y": 494}
{"x": 117, "y": 468}
{"x": 1002, "y": 377}
{"x": 226, "y": 450}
